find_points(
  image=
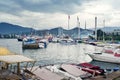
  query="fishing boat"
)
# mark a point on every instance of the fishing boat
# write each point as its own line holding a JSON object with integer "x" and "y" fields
{"x": 106, "y": 57}
{"x": 30, "y": 43}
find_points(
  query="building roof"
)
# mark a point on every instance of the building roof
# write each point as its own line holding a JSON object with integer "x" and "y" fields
{"x": 15, "y": 59}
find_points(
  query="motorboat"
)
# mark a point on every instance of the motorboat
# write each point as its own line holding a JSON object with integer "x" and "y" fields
{"x": 106, "y": 57}
{"x": 67, "y": 41}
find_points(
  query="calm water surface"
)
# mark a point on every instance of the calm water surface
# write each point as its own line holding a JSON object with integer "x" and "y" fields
{"x": 56, "y": 53}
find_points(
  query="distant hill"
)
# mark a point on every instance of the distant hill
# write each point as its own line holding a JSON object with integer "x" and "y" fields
{"x": 110, "y": 29}
{"x": 7, "y": 28}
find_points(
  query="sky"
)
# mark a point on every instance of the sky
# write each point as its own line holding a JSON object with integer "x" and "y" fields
{"x": 47, "y": 14}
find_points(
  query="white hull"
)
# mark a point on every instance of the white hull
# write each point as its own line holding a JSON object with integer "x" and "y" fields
{"x": 68, "y": 43}
{"x": 105, "y": 57}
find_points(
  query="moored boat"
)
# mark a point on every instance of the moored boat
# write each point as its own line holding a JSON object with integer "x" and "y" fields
{"x": 67, "y": 41}
{"x": 113, "y": 58}
{"x": 30, "y": 44}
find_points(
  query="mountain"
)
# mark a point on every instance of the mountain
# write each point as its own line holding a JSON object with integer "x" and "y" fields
{"x": 7, "y": 28}
{"x": 54, "y": 31}
{"x": 110, "y": 29}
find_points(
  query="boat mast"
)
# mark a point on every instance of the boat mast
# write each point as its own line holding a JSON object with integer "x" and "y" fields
{"x": 96, "y": 28}
{"x": 68, "y": 24}
{"x": 103, "y": 31}
{"x": 78, "y": 24}
{"x": 79, "y": 30}
{"x": 85, "y": 25}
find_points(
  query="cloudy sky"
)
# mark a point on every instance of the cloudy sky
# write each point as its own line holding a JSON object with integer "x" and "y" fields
{"x": 43, "y": 14}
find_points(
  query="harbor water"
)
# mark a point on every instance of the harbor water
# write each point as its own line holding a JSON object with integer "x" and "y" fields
{"x": 56, "y": 53}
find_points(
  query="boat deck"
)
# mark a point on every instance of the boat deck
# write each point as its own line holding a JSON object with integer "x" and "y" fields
{"x": 44, "y": 74}
{"x": 72, "y": 69}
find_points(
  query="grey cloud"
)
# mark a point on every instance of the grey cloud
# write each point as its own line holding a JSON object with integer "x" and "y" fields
{"x": 43, "y": 6}
{"x": 10, "y": 7}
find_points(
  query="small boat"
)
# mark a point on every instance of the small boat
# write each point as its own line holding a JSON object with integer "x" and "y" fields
{"x": 20, "y": 38}
{"x": 100, "y": 44}
{"x": 30, "y": 44}
{"x": 88, "y": 65}
{"x": 95, "y": 70}
{"x": 93, "y": 43}
{"x": 67, "y": 41}
{"x": 72, "y": 71}
{"x": 55, "y": 40}
{"x": 106, "y": 57}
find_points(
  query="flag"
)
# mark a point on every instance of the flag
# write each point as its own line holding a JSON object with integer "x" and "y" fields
{"x": 68, "y": 16}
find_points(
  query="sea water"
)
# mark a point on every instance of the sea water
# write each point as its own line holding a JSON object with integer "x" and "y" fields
{"x": 56, "y": 53}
